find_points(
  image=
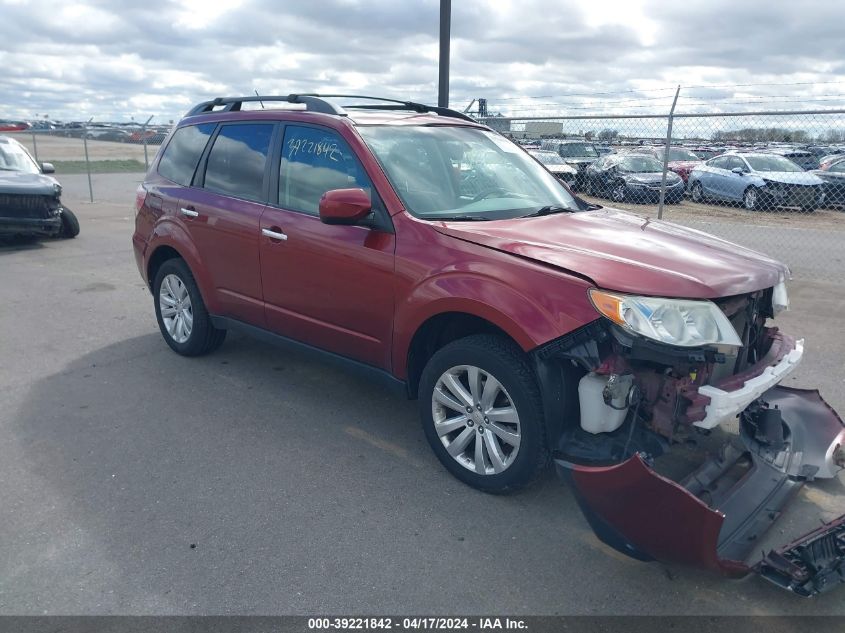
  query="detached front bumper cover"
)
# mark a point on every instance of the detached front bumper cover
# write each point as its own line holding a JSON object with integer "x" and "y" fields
{"x": 709, "y": 521}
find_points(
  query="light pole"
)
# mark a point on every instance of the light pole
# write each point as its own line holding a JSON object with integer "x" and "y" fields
{"x": 445, "y": 28}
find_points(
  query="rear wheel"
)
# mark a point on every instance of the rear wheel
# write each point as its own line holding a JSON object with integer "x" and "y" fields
{"x": 482, "y": 413}
{"x": 181, "y": 313}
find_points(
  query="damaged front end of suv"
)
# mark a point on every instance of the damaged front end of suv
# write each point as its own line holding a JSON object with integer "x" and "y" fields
{"x": 658, "y": 376}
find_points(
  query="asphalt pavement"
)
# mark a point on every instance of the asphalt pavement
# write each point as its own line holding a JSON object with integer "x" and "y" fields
{"x": 259, "y": 480}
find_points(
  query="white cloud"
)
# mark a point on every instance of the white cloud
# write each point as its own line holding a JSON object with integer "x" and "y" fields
{"x": 121, "y": 58}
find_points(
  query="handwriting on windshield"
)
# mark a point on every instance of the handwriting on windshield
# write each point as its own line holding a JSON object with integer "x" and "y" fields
{"x": 304, "y": 146}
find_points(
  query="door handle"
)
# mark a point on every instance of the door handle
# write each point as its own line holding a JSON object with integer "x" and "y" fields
{"x": 274, "y": 234}
{"x": 189, "y": 212}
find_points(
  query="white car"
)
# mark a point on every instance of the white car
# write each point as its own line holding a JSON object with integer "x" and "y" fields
{"x": 555, "y": 164}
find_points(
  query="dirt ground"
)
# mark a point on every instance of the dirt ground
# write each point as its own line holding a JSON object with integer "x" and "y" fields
{"x": 57, "y": 148}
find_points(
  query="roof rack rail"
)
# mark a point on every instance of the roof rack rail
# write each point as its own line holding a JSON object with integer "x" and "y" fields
{"x": 233, "y": 104}
{"x": 396, "y": 104}
{"x": 314, "y": 102}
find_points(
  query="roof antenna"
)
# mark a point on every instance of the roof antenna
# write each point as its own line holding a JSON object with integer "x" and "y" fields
{"x": 259, "y": 98}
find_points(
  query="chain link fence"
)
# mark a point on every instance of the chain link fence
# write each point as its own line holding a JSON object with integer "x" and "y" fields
{"x": 772, "y": 181}
{"x": 93, "y": 148}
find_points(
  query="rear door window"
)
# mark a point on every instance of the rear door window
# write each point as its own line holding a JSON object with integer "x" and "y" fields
{"x": 237, "y": 162}
{"x": 314, "y": 161}
{"x": 180, "y": 158}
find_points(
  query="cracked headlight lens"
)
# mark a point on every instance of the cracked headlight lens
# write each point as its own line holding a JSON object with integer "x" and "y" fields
{"x": 681, "y": 322}
{"x": 780, "y": 300}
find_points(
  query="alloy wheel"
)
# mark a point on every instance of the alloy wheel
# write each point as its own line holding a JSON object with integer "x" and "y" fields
{"x": 617, "y": 194}
{"x": 177, "y": 313}
{"x": 476, "y": 419}
{"x": 750, "y": 198}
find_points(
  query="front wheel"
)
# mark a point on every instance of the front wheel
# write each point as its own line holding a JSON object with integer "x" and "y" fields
{"x": 482, "y": 413}
{"x": 751, "y": 199}
{"x": 697, "y": 193}
{"x": 70, "y": 223}
{"x": 181, "y": 313}
{"x": 617, "y": 192}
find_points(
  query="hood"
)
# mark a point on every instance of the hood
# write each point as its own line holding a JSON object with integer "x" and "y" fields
{"x": 628, "y": 253}
{"x": 684, "y": 164}
{"x": 561, "y": 169}
{"x": 20, "y": 183}
{"x": 579, "y": 161}
{"x": 651, "y": 178}
{"x": 790, "y": 177}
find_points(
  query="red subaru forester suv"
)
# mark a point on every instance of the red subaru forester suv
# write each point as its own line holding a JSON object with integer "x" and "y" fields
{"x": 414, "y": 243}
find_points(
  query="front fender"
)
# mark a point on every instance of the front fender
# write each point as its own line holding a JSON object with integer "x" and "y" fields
{"x": 529, "y": 319}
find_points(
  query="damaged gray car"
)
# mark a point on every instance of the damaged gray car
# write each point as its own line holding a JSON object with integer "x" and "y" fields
{"x": 30, "y": 199}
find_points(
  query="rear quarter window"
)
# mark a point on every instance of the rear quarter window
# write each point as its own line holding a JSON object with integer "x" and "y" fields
{"x": 237, "y": 161}
{"x": 180, "y": 158}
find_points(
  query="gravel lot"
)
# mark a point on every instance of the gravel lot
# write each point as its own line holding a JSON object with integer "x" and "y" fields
{"x": 58, "y": 148}
{"x": 259, "y": 480}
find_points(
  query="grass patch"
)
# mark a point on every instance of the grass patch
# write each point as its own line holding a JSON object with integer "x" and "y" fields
{"x": 98, "y": 166}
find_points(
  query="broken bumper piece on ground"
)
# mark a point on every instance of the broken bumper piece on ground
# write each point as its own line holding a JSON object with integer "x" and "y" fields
{"x": 710, "y": 518}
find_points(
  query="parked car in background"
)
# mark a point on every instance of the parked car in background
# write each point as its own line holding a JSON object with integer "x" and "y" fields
{"x": 578, "y": 154}
{"x": 152, "y": 136}
{"x": 13, "y": 126}
{"x": 30, "y": 199}
{"x": 555, "y": 164}
{"x": 834, "y": 182}
{"x": 108, "y": 133}
{"x": 681, "y": 160}
{"x": 826, "y": 161}
{"x": 758, "y": 180}
{"x": 632, "y": 178}
{"x": 703, "y": 152}
{"x": 801, "y": 157}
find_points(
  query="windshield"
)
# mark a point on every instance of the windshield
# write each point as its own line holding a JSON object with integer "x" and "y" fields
{"x": 14, "y": 157}
{"x": 548, "y": 158}
{"x": 575, "y": 150}
{"x": 640, "y": 164}
{"x": 467, "y": 173}
{"x": 771, "y": 163}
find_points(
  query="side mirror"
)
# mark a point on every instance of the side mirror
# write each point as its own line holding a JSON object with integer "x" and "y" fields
{"x": 344, "y": 206}
{"x": 738, "y": 170}
{"x": 47, "y": 168}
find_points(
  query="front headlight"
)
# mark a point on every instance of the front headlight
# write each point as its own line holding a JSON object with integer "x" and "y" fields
{"x": 681, "y": 322}
{"x": 780, "y": 300}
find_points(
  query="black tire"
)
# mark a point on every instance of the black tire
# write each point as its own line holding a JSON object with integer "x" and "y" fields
{"x": 617, "y": 192}
{"x": 501, "y": 358}
{"x": 204, "y": 337}
{"x": 751, "y": 199}
{"x": 697, "y": 193}
{"x": 70, "y": 224}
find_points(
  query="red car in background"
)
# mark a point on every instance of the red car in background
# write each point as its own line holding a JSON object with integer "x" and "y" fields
{"x": 13, "y": 126}
{"x": 681, "y": 160}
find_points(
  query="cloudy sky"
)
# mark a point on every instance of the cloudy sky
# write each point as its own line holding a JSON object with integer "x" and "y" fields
{"x": 121, "y": 59}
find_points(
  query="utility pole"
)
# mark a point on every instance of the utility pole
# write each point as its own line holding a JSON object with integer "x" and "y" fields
{"x": 445, "y": 29}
